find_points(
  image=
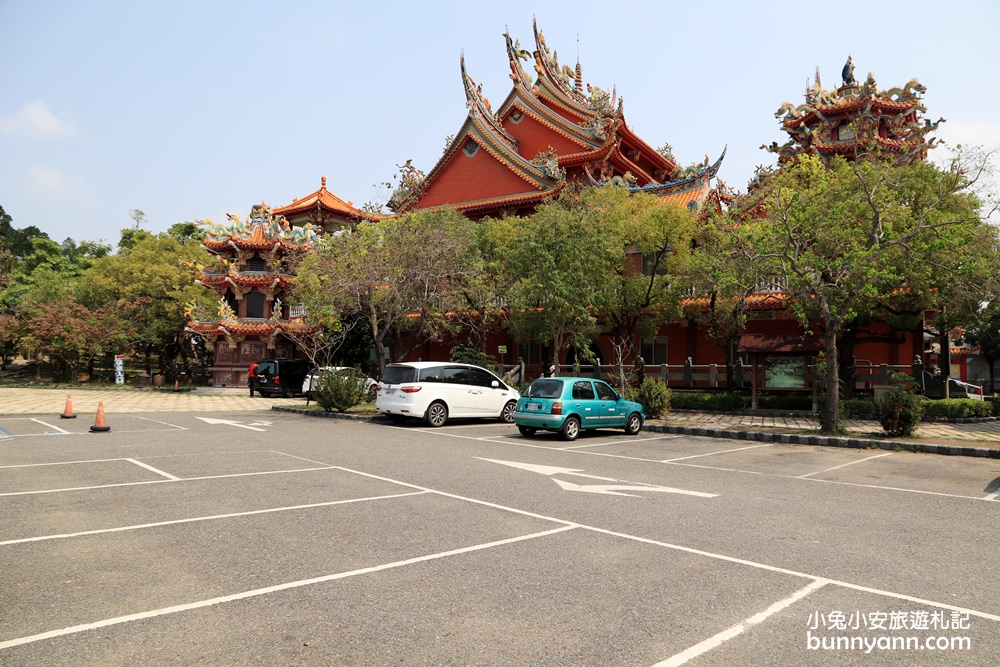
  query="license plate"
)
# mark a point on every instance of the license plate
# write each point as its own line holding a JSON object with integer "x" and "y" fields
{"x": 390, "y": 392}
{"x": 533, "y": 407}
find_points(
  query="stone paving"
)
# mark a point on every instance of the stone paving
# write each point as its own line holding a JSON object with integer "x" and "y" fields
{"x": 972, "y": 432}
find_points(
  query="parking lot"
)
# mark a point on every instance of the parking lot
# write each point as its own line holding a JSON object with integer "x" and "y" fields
{"x": 237, "y": 537}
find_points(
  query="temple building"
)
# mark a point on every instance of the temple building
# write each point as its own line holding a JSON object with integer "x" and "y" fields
{"x": 549, "y": 131}
{"x": 856, "y": 119}
{"x": 322, "y": 209}
{"x": 253, "y": 273}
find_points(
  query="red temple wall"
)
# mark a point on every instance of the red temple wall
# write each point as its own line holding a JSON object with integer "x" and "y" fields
{"x": 470, "y": 178}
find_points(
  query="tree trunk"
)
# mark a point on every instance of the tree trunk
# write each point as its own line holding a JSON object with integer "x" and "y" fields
{"x": 829, "y": 417}
{"x": 944, "y": 361}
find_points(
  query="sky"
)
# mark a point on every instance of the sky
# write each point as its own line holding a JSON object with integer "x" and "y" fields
{"x": 188, "y": 110}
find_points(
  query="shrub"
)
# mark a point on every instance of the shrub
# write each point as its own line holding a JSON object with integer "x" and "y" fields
{"x": 709, "y": 402}
{"x": 859, "y": 406}
{"x": 654, "y": 395}
{"x": 463, "y": 353}
{"x": 957, "y": 408}
{"x": 900, "y": 412}
{"x": 340, "y": 391}
{"x": 790, "y": 401}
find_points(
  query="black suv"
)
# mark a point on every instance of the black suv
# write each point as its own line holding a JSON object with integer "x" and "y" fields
{"x": 281, "y": 376}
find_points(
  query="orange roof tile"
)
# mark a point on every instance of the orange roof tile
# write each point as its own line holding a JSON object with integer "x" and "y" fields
{"x": 322, "y": 198}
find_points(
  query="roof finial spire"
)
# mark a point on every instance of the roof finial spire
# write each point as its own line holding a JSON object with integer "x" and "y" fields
{"x": 322, "y": 183}
{"x": 579, "y": 70}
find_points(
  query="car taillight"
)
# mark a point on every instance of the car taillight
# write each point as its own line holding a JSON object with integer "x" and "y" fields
{"x": 277, "y": 379}
{"x": 557, "y": 408}
{"x": 410, "y": 390}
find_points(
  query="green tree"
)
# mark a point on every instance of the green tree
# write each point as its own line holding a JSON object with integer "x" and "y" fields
{"x": 554, "y": 263}
{"x": 403, "y": 275}
{"x": 854, "y": 233}
{"x": 18, "y": 241}
{"x": 149, "y": 283}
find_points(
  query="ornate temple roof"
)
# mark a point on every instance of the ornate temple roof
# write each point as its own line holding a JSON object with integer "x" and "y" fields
{"x": 321, "y": 200}
{"x": 547, "y": 132}
{"x": 261, "y": 231}
{"x": 853, "y": 118}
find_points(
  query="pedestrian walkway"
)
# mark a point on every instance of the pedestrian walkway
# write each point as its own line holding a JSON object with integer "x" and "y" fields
{"x": 971, "y": 431}
{"x": 39, "y": 401}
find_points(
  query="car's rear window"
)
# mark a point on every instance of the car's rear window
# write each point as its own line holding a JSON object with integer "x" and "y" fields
{"x": 399, "y": 374}
{"x": 266, "y": 368}
{"x": 545, "y": 389}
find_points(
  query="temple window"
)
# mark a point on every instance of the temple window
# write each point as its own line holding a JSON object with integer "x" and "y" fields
{"x": 532, "y": 352}
{"x": 516, "y": 116}
{"x": 256, "y": 263}
{"x": 470, "y": 148}
{"x": 654, "y": 350}
{"x": 255, "y": 304}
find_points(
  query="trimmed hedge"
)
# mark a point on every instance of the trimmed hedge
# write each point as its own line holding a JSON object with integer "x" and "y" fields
{"x": 711, "y": 402}
{"x": 859, "y": 406}
{"x": 957, "y": 408}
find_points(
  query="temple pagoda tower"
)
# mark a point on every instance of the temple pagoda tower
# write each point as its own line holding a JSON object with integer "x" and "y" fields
{"x": 855, "y": 120}
{"x": 253, "y": 274}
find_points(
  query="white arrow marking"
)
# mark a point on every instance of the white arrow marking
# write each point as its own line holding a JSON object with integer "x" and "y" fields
{"x": 210, "y": 420}
{"x": 616, "y": 489}
{"x": 607, "y": 489}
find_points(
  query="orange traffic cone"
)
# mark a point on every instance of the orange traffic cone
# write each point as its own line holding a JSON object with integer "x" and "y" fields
{"x": 68, "y": 412}
{"x": 99, "y": 424}
{"x": 177, "y": 385}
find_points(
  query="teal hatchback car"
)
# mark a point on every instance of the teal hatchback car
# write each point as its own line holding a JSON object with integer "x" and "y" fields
{"x": 571, "y": 404}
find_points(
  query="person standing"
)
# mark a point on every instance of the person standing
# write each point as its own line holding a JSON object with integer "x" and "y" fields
{"x": 252, "y": 377}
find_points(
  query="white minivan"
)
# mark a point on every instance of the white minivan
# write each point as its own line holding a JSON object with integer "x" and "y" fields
{"x": 436, "y": 391}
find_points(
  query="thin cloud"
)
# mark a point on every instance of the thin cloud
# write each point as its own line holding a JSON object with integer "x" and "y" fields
{"x": 51, "y": 182}
{"x": 35, "y": 120}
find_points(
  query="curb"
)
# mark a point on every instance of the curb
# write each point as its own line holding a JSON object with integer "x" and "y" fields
{"x": 826, "y": 441}
{"x": 322, "y": 413}
{"x": 756, "y": 436}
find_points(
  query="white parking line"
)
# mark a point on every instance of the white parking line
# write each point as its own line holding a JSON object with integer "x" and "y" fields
{"x": 152, "y": 469}
{"x": 736, "y": 630}
{"x": 724, "y": 451}
{"x": 619, "y": 442}
{"x": 162, "y": 481}
{"x": 274, "y": 589}
{"x": 844, "y": 465}
{"x": 55, "y": 428}
{"x": 120, "y": 529}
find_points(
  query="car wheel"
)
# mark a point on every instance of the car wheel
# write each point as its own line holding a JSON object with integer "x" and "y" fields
{"x": 570, "y": 429}
{"x": 527, "y": 431}
{"x": 437, "y": 414}
{"x": 507, "y": 414}
{"x": 634, "y": 424}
